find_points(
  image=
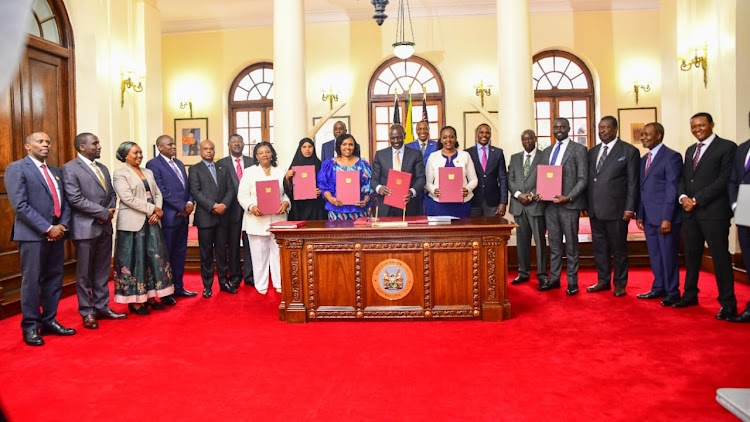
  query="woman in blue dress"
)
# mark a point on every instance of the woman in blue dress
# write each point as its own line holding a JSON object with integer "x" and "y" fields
{"x": 449, "y": 156}
{"x": 345, "y": 160}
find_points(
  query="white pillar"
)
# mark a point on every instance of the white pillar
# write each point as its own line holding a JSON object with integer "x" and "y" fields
{"x": 290, "y": 100}
{"x": 516, "y": 94}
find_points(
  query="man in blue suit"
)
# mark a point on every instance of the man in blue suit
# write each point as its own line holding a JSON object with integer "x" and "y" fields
{"x": 491, "y": 195}
{"x": 659, "y": 215}
{"x": 172, "y": 180}
{"x": 741, "y": 176}
{"x": 423, "y": 142}
{"x": 36, "y": 194}
{"x": 328, "y": 149}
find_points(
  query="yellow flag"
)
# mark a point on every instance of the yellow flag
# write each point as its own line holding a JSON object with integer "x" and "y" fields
{"x": 409, "y": 136}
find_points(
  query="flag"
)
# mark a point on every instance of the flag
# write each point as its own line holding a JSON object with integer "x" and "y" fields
{"x": 424, "y": 108}
{"x": 396, "y": 114}
{"x": 409, "y": 136}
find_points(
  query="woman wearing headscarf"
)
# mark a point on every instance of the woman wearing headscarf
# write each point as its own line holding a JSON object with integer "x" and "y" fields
{"x": 305, "y": 209}
{"x": 346, "y": 160}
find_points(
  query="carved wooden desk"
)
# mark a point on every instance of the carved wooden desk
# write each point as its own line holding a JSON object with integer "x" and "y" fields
{"x": 336, "y": 271}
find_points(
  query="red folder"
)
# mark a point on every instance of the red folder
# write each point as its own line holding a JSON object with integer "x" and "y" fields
{"x": 398, "y": 182}
{"x": 269, "y": 200}
{"x": 294, "y": 224}
{"x": 549, "y": 181}
{"x": 451, "y": 184}
{"x": 304, "y": 182}
{"x": 347, "y": 186}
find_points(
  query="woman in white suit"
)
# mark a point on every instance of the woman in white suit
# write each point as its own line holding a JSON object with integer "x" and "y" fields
{"x": 263, "y": 247}
{"x": 449, "y": 156}
{"x": 141, "y": 261}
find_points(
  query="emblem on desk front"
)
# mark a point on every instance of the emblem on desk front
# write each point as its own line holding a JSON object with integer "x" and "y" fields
{"x": 392, "y": 279}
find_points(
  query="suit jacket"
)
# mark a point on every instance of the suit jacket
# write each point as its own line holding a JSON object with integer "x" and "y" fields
{"x": 176, "y": 195}
{"x": 739, "y": 175}
{"x": 89, "y": 200}
{"x": 574, "y": 173}
{"x": 658, "y": 191}
{"x": 31, "y": 200}
{"x": 235, "y": 211}
{"x": 493, "y": 182}
{"x": 429, "y": 149}
{"x": 411, "y": 163}
{"x": 207, "y": 193}
{"x": 518, "y": 183}
{"x": 329, "y": 148}
{"x": 614, "y": 188}
{"x": 708, "y": 182}
{"x": 432, "y": 173}
{"x": 134, "y": 206}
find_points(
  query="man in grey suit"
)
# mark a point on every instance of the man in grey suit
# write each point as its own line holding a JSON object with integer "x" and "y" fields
{"x": 36, "y": 195}
{"x": 93, "y": 201}
{"x": 399, "y": 158}
{"x": 528, "y": 209}
{"x": 562, "y": 214}
{"x": 236, "y": 162}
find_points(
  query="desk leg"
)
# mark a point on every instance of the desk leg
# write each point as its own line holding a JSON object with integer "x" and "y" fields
{"x": 495, "y": 304}
{"x": 292, "y": 308}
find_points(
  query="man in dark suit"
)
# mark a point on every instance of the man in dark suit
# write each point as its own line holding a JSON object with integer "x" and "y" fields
{"x": 212, "y": 190}
{"x": 37, "y": 196}
{"x": 741, "y": 176}
{"x": 528, "y": 209}
{"x": 236, "y": 162}
{"x": 562, "y": 214}
{"x": 658, "y": 214}
{"x": 171, "y": 178}
{"x": 706, "y": 214}
{"x": 491, "y": 194}
{"x": 328, "y": 149}
{"x": 612, "y": 193}
{"x": 93, "y": 201}
{"x": 402, "y": 159}
{"x": 423, "y": 142}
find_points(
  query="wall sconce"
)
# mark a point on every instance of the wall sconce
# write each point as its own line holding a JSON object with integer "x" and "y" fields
{"x": 700, "y": 61}
{"x": 483, "y": 91}
{"x": 639, "y": 87}
{"x": 186, "y": 104}
{"x": 330, "y": 97}
{"x": 126, "y": 83}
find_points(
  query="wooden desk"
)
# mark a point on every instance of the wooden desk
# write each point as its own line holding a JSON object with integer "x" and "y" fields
{"x": 336, "y": 271}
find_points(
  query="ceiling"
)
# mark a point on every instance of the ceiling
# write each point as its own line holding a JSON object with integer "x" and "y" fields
{"x": 212, "y": 15}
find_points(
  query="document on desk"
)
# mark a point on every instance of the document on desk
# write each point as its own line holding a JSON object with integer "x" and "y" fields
{"x": 548, "y": 181}
{"x": 304, "y": 182}
{"x": 398, "y": 182}
{"x": 347, "y": 186}
{"x": 269, "y": 200}
{"x": 742, "y": 212}
{"x": 451, "y": 182}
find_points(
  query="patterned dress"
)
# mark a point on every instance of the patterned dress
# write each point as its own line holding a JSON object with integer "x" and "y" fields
{"x": 327, "y": 183}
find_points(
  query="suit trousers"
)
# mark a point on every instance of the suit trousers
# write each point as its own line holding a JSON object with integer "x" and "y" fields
{"x": 41, "y": 281}
{"x": 562, "y": 222}
{"x": 662, "y": 252}
{"x": 529, "y": 225}
{"x": 484, "y": 210}
{"x": 247, "y": 270}
{"x": 92, "y": 273}
{"x": 743, "y": 235}
{"x": 234, "y": 264}
{"x": 265, "y": 257}
{"x": 716, "y": 234}
{"x": 610, "y": 237}
{"x": 176, "y": 239}
{"x": 212, "y": 239}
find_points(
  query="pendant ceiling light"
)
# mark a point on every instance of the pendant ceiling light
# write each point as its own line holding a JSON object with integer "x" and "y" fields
{"x": 402, "y": 48}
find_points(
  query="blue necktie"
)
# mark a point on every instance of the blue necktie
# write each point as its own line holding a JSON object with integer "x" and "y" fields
{"x": 212, "y": 169}
{"x": 554, "y": 154}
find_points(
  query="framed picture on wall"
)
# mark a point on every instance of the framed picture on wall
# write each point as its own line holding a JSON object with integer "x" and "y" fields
{"x": 472, "y": 119}
{"x": 188, "y": 134}
{"x": 325, "y": 133}
{"x": 632, "y": 121}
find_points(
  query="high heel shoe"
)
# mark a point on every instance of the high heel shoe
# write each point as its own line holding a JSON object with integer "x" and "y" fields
{"x": 138, "y": 311}
{"x": 155, "y": 305}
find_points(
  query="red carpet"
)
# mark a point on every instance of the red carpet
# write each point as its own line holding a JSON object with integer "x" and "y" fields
{"x": 588, "y": 357}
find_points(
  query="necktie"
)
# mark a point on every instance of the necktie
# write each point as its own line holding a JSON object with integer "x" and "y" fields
{"x": 484, "y": 158}
{"x": 53, "y": 190}
{"x": 527, "y": 166}
{"x": 747, "y": 165}
{"x": 697, "y": 155}
{"x": 423, "y": 147}
{"x": 212, "y": 169}
{"x": 177, "y": 170}
{"x": 397, "y": 161}
{"x": 601, "y": 159}
{"x": 99, "y": 174}
{"x": 648, "y": 162}
{"x": 239, "y": 169}
{"x": 554, "y": 154}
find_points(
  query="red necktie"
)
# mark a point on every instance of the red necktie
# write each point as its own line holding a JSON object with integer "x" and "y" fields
{"x": 55, "y": 199}
{"x": 239, "y": 169}
{"x": 697, "y": 155}
{"x": 648, "y": 162}
{"x": 484, "y": 158}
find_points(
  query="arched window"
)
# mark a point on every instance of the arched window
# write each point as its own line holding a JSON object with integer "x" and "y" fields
{"x": 251, "y": 105}
{"x": 563, "y": 87}
{"x": 397, "y": 75}
{"x": 43, "y": 22}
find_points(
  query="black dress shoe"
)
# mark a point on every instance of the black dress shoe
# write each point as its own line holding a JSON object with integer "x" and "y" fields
{"x": 207, "y": 293}
{"x": 519, "y": 280}
{"x": 727, "y": 314}
{"x": 143, "y": 310}
{"x": 89, "y": 321}
{"x": 55, "y": 328}
{"x": 155, "y": 305}
{"x": 743, "y": 317}
{"x": 670, "y": 300}
{"x": 32, "y": 338}
{"x": 571, "y": 291}
{"x": 619, "y": 291}
{"x": 684, "y": 303}
{"x": 227, "y": 288}
{"x": 599, "y": 287}
{"x": 235, "y": 283}
{"x": 549, "y": 286}
{"x": 184, "y": 293}
{"x": 110, "y": 314}
{"x": 650, "y": 295}
{"x": 168, "y": 300}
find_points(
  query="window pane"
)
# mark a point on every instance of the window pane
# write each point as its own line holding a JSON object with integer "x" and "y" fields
{"x": 412, "y": 68}
{"x": 244, "y": 134}
{"x": 399, "y": 69}
{"x": 434, "y": 129}
{"x": 432, "y": 113}
{"x": 380, "y": 145}
{"x": 240, "y": 94}
{"x": 543, "y": 127}
{"x": 579, "y": 108}
{"x": 381, "y": 114}
{"x": 271, "y": 138}
{"x": 565, "y": 83}
{"x": 424, "y": 74}
{"x": 246, "y": 83}
{"x": 543, "y": 109}
{"x": 544, "y": 142}
{"x": 270, "y": 93}
{"x": 573, "y": 70}
{"x": 242, "y": 119}
{"x": 546, "y": 64}
{"x": 381, "y": 132}
{"x": 32, "y": 27}
{"x": 255, "y": 136}
{"x": 580, "y": 82}
{"x": 416, "y": 88}
{"x": 256, "y": 75}
{"x": 579, "y": 126}
{"x": 270, "y": 118}
{"x": 49, "y": 29}
{"x": 268, "y": 75}
{"x": 554, "y": 78}
{"x": 565, "y": 109}
{"x": 432, "y": 86}
{"x": 561, "y": 64}
{"x": 537, "y": 71}
{"x": 254, "y": 94}
{"x": 544, "y": 84}
{"x": 387, "y": 76}
{"x": 42, "y": 10}
{"x": 380, "y": 88}
{"x": 254, "y": 119}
